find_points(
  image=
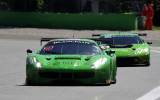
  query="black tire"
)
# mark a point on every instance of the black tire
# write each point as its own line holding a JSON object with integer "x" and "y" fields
{"x": 147, "y": 63}
{"x": 28, "y": 82}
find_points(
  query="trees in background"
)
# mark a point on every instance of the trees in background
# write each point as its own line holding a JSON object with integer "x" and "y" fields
{"x": 104, "y": 6}
{"x": 21, "y": 5}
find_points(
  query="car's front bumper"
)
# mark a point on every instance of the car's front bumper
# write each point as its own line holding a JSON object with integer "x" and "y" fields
{"x": 82, "y": 76}
{"x": 132, "y": 60}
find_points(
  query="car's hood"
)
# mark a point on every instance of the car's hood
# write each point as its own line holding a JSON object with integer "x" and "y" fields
{"x": 67, "y": 61}
{"x": 135, "y": 49}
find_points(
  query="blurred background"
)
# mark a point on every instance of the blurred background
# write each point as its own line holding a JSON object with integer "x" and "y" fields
{"x": 127, "y": 11}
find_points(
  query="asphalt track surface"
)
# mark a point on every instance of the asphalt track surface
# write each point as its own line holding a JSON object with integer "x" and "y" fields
{"x": 133, "y": 83}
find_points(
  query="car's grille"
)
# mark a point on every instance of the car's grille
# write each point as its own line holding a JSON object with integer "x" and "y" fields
{"x": 127, "y": 60}
{"x": 66, "y": 75}
{"x": 83, "y": 74}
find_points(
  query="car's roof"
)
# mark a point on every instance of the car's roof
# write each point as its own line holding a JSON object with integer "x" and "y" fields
{"x": 109, "y": 35}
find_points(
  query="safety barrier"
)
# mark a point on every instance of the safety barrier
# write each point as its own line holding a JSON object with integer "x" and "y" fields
{"x": 69, "y": 21}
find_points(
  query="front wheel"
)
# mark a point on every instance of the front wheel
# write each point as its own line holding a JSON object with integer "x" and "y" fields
{"x": 147, "y": 63}
{"x": 29, "y": 82}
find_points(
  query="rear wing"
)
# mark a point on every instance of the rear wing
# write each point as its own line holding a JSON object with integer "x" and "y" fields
{"x": 96, "y": 35}
{"x": 98, "y": 40}
{"x": 47, "y": 39}
{"x": 139, "y": 34}
{"x": 142, "y": 34}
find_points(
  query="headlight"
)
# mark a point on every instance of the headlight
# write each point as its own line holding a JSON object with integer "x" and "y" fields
{"x": 38, "y": 65}
{"x": 139, "y": 51}
{"x": 99, "y": 62}
{"x": 146, "y": 50}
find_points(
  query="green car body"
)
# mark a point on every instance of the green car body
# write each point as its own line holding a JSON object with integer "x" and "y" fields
{"x": 58, "y": 61}
{"x": 129, "y": 48}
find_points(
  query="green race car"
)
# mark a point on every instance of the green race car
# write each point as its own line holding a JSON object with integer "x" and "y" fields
{"x": 130, "y": 48}
{"x": 80, "y": 60}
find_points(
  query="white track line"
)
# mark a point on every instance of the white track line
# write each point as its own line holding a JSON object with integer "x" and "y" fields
{"x": 152, "y": 95}
{"x": 155, "y": 93}
{"x": 155, "y": 51}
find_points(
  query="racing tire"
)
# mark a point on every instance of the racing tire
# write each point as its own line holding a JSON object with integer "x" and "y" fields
{"x": 147, "y": 63}
{"x": 28, "y": 82}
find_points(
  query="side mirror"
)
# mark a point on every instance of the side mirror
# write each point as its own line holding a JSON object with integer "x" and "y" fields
{"x": 29, "y": 51}
{"x": 149, "y": 42}
{"x": 104, "y": 47}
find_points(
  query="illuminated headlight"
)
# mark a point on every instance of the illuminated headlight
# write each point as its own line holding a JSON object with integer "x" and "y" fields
{"x": 38, "y": 65}
{"x": 99, "y": 62}
{"x": 146, "y": 50}
{"x": 139, "y": 51}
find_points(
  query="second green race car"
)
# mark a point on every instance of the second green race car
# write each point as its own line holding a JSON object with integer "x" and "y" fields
{"x": 79, "y": 60}
{"x": 130, "y": 48}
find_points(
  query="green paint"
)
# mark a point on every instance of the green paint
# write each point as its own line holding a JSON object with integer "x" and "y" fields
{"x": 84, "y": 68}
{"x": 140, "y": 51}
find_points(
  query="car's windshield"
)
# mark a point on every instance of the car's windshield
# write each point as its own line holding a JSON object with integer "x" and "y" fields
{"x": 71, "y": 47}
{"x": 126, "y": 40}
{"x": 108, "y": 41}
